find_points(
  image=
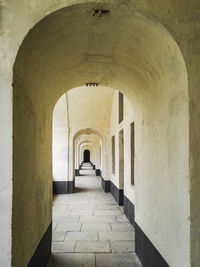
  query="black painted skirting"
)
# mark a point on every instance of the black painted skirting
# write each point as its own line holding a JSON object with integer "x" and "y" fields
{"x": 70, "y": 187}
{"x": 147, "y": 253}
{"x": 105, "y": 185}
{"x": 98, "y": 172}
{"x": 43, "y": 250}
{"x": 118, "y": 194}
{"x": 77, "y": 172}
{"x": 63, "y": 187}
{"x": 129, "y": 210}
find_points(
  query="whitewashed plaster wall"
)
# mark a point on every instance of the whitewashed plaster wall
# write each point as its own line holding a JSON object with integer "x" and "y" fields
{"x": 161, "y": 173}
{"x": 115, "y": 128}
{"x": 17, "y": 18}
{"x": 60, "y": 140}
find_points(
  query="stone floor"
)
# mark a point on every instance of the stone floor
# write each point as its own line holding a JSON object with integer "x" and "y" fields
{"x": 89, "y": 229}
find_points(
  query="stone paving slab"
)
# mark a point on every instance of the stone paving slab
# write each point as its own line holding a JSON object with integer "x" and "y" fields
{"x": 58, "y": 235}
{"x": 96, "y": 227}
{"x": 72, "y": 260}
{"x": 106, "y": 207}
{"x": 108, "y": 212}
{"x": 62, "y": 213}
{"x": 82, "y": 236}
{"x": 104, "y": 201}
{"x": 66, "y": 246}
{"x": 122, "y": 246}
{"x": 58, "y": 208}
{"x": 121, "y": 218}
{"x": 89, "y": 229}
{"x": 97, "y": 218}
{"x": 117, "y": 260}
{"x": 122, "y": 226}
{"x": 79, "y": 207}
{"x": 92, "y": 246}
{"x": 67, "y": 218}
{"x": 77, "y": 201}
{"x": 82, "y": 212}
{"x": 70, "y": 227}
{"x": 54, "y": 225}
{"x": 115, "y": 235}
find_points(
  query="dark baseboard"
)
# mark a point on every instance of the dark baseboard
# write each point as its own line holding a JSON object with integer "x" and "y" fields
{"x": 63, "y": 187}
{"x": 98, "y": 172}
{"x": 108, "y": 187}
{"x": 147, "y": 253}
{"x": 118, "y": 194}
{"x": 43, "y": 250}
{"x": 70, "y": 187}
{"x": 105, "y": 185}
{"x": 77, "y": 172}
{"x": 129, "y": 210}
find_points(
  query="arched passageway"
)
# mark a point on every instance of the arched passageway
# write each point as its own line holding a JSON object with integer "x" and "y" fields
{"x": 86, "y": 155}
{"x": 133, "y": 53}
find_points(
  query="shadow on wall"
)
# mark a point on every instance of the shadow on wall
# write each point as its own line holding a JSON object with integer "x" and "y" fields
{"x": 148, "y": 67}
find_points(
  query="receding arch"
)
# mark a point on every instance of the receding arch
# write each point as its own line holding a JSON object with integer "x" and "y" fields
{"x": 140, "y": 59}
{"x": 80, "y": 133}
{"x": 87, "y": 144}
{"x": 87, "y": 131}
{"x": 86, "y": 155}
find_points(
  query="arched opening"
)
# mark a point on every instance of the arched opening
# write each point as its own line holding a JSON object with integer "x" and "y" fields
{"x": 90, "y": 139}
{"x": 86, "y": 157}
{"x": 134, "y": 54}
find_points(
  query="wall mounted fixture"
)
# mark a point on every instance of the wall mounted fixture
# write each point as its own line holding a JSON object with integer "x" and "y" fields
{"x": 99, "y": 12}
{"x": 92, "y": 84}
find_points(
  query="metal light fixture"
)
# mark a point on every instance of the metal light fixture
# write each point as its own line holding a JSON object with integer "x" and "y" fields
{"x": 99, "y": 12}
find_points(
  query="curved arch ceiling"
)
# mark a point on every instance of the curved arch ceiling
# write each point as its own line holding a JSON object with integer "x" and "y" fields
{"x": 87, "y": 131}
{"x": 122, "y": 49}
{"x": 125, "y": 50}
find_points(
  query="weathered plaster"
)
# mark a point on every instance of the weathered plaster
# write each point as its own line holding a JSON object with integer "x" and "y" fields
{"x": 146, "y": 61}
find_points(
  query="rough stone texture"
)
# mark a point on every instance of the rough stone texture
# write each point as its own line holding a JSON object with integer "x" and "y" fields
{"x": 59, "y": 235}
{"x": 116, "y": 235}
{"x": 68, "y": 227}
{"x": 122, "y": 246}
{"x": 121, "y": 227}
{"x": 96, "y": 227}
{"x": 99, "y": 246}
{"x": 82, "y": 236}
{"x": 95, "y": 236}
{"x": 117, "y": 260}
{"x": 66, "y": 246}
{"x": 72, "y": 260}
{"x": 107, "y": 212}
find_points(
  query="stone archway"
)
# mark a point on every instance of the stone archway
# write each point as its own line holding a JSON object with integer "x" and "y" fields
{"x": 134, "y": 54}
{"x": 86, "y": 157}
